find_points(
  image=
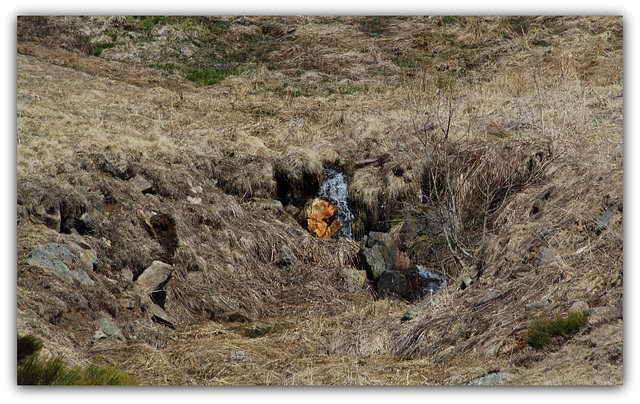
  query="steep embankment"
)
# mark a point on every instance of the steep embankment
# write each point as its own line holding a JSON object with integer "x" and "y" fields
{"x": 486, "y": 148}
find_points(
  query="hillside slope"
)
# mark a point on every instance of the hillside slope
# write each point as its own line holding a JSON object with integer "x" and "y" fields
{"x": 195, "y": 142}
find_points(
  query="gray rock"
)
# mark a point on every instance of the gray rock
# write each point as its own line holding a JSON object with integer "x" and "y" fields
{"x": 63, "y": 253}
{"x": 84, "y": 255}
{"x": 154, "y": 277}
{"x": 580, "y": 307}
{"x": 545, "y": 256}
{"x": 107, "y": 328}
{"x": 377, "y": 254}
{"x": 489, "y": 380}
{"x": 603, "y": 221}
{"x": 158, "y": 314}
{"x": 82, "y": 277}
{"x": 465, "y": 282}
{"x": 419, "y": 223}
{"x": 287, "y": 257}
{"x": 47, "y": 260}
{"x": 418, "y": 308}
{"x": 537, "y": 305}
{"x": 141, "y": 183}
{"x": 393, "y": 283}
{"x": 194, "y": 200}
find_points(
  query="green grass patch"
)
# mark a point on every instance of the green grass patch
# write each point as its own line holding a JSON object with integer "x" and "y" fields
{"x": 543, "y": 329}
{"x": 33, "y": 369}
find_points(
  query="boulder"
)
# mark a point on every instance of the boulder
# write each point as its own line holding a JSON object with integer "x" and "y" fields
{"x": 537, "y": 305}
{"x": 84, "y": 224}
{"x": 155, "y": 277}
{"x": 57, "y": 259}
{"x": 318, "y": 215}
{"x": 393, "y": 283}
{"x": 377, "y": 254}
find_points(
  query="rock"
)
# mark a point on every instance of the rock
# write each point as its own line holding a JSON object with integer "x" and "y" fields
{"x": 142, "y": 184}
{"x": 47, "y": 260}
{"x": 603, "y": 222}
{"x": 580, "y": 307}
{"x": 153, "y": 278}
{"x": 417, "y": 309}
{"x": 319, "y": 217}
{"x": 194, "y": 200}
{"x": 84, "y": 224}
{"x": 418, "y": 222}
{"x": 287, "y": 257}
{"x": 57, "y": 258}
{"x": 377, "y": 253}
{"x": 107, "y": 328}
{"x": 354, "y": 279}
{"x": 537, "y": 305}
{"x": 430, "y": 282}
{"x": 545, "y": 256}
{"x": 84, "y": 255}
{"x": 292, "y": 210}
{"x": 489, "y": 380}
{"x": 465, "y": 282}
{"x": 158, "y": 314}
{"x": 393, "y": 283}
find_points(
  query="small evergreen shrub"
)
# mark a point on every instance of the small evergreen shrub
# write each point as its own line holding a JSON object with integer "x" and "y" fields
{"x": 543, "y": 329}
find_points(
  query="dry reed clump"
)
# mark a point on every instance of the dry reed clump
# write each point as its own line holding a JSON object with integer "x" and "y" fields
{"x": 247, "y": 176}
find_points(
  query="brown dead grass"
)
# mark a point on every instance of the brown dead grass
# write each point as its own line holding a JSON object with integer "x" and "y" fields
{"x": 538, "y": 122}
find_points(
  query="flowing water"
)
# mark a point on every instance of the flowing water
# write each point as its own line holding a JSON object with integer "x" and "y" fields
{"x": 430, "y": 282}
{"x": 334, "y": 190}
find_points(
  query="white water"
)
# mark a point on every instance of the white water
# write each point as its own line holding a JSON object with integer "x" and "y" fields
{"x": 334, "y": 189}
{"x": 430, "y": 282}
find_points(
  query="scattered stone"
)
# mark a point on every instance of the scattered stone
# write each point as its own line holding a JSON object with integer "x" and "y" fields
{"x": 158, "y": 314}
{"x": 287, "y": 257}
{"x": 239, "y": 355}
{"x": 377, "y": 254}
{"x": 429, "y": 281}
{"x": 393, "y": 283}
{"x": 537, "y": 305}
{"x": 142, "y": 184}
{"x": 194, "y": 200}
{"x": 153, "y": 278}
{"x": 603, "y": 222}
{"x": 292, "y": 210}
{"x": 465, "y": 282}
{"x": 545, "y": 256}
{"x": 489, "y": 380}
{"x": 107, "y": 328}
{"x": 418, "y": 308}
{"x": 580, "y": 307}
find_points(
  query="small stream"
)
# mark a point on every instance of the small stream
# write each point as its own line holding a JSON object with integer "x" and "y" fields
{"x": 334, "y": 190}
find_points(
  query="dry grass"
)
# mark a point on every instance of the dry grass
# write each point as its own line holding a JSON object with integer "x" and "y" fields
{"x": 535, "y": 157}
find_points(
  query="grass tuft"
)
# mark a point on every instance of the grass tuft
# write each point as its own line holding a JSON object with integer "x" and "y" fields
{"x": 543, "y": 329}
